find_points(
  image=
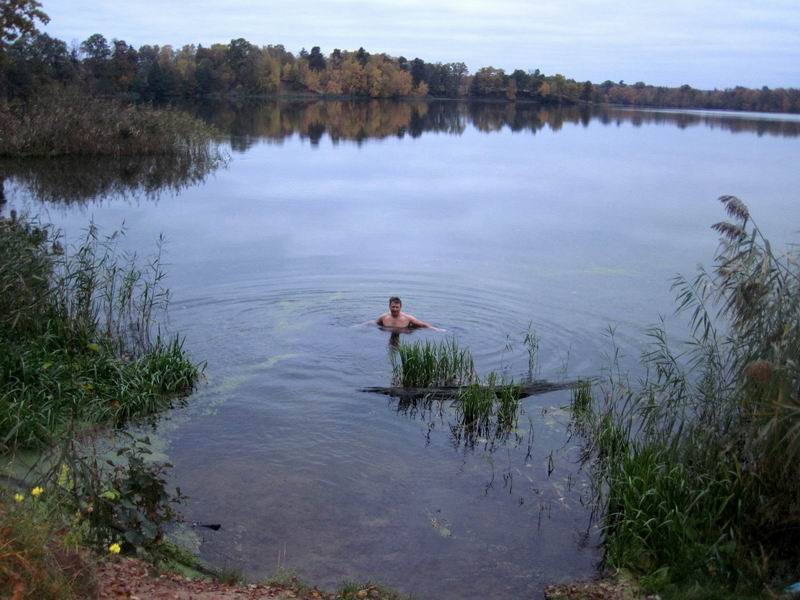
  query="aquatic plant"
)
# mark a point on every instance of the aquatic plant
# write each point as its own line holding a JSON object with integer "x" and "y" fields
{"x": 77, "y": 335}
{"x": 698, "y": 465}
{"x": 531, "y": 341}
{"x": 71, "y": 124}
{"x": 432, "y": 364}
{"x": 581, "y": 399}
{"x": 486, "y": 410}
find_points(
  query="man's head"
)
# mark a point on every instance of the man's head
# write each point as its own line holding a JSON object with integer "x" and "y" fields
{"x": 395, "y": 304}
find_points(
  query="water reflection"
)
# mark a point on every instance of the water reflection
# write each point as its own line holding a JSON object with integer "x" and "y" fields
{"x": 357, "y": 121}
{"x": 85, "y": 179}
{"x": 484, "y": 416}
{"x": 79, "y": 180}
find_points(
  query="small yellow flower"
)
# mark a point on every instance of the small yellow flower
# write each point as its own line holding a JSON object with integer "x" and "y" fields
{"x": 37, "y": 491}
{"x": 114, "y": 548}
{"x": 19, "y": 497}
{"x": 63, "y": 475}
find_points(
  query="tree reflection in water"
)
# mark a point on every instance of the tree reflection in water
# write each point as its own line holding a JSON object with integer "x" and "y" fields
{"x": 77, "y": 180}
{"x": 246, "y": 123}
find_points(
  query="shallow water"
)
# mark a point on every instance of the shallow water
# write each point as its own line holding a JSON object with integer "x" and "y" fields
{"x": 487, "y": 221}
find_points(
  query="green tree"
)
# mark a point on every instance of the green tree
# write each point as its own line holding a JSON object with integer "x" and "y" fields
{"x": 362, "y": 56}
{"x": 34, "y": 62}
{"x": 95, "y": 48}
{"x": 315, "y": 59}
{"x": 586, "y": 91}
{"x": 97, "y": 53}
{"x": 417, "y": 71}
{"x": 522, "y": 80}
{"x": 18, "y": 17}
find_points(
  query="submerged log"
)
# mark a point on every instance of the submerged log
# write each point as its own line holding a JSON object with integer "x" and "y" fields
{"x": 530, "y": 388}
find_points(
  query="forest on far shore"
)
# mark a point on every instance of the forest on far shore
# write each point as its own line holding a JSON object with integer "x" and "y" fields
{"x": 35, "y": 62}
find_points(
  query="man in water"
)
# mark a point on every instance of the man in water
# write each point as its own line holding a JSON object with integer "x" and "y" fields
{"x": 397, "y": 319}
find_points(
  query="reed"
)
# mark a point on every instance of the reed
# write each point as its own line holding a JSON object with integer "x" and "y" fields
{"x": 531, "y": 341}
{"x": 486, "y": 410}
{"x": 581, "y": 399}
{"x": 432, "y": 364}
{"x": 73, "y": 124}
{"x": 78, "y": 341}
{"x": 698, "y": 464}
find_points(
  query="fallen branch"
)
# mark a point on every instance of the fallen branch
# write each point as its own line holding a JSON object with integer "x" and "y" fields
{"x": 531, "y": 388}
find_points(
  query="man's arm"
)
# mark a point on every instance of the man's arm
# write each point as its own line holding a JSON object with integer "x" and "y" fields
{"x": 422, "y": 324}
{"x": 379, "y": 320}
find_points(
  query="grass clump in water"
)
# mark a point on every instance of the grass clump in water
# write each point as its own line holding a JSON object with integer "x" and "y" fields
{"x": 699, "y": 463}
{"x": 487, "y": 410}
{"x": 77, "y": 341}
{"x": 581, "y": 400}
{"x": 431, "y": 364}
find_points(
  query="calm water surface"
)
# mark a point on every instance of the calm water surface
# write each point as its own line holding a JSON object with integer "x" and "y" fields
{"x": 487, "y": 220}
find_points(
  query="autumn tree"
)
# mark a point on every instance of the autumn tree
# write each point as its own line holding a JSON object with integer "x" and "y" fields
{"x": 124, "y": 65}
{"x": 489, "y": 81}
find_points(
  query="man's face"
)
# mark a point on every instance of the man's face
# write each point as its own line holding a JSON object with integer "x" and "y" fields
{"x": 394, "y": 308}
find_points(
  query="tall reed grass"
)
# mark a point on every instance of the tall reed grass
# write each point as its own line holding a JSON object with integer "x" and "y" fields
{"x": 487, "y": 411}
{"x": 74, "y": 124}
{"x": 432, "y": 364}
{"x": 484, "y": 409}
{"x": 78, "y": 340}
{"x": 698, "y": 464}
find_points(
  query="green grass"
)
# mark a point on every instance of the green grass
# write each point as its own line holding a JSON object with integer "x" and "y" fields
{"x": 697, "y": 465}
{"x": 77, "y": 339}
{"x": 487, "y": 410}
{"x": 581, "y": 399}
{"x": 432, "y": 364}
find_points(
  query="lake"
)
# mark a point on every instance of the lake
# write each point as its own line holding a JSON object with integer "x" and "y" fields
{"x": 488, "y": 220}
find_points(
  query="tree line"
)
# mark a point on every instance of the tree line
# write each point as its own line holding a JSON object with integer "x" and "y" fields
{"x": 36, "y": 61}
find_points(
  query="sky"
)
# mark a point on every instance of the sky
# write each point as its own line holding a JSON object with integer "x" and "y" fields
{"x": 705, "y": 43}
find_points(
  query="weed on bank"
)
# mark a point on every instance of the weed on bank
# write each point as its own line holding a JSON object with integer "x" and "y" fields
{"x": 697, "y": 465}
{"x": 77, "y": 341}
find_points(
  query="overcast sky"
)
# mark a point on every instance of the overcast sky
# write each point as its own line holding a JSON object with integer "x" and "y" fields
{"x": 705, "y": 43}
